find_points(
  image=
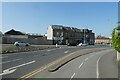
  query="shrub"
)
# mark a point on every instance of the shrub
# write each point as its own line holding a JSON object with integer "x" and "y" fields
{"x": 116, "y": 39}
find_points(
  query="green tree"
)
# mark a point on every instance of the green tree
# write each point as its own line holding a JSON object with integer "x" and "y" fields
{"x": 116, "y": 39}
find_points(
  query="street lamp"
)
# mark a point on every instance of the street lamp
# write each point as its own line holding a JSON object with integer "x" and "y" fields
{"x": 84, "y": 36}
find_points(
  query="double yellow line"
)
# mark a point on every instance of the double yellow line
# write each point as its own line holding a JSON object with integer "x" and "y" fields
{"x": 43, "y": 68}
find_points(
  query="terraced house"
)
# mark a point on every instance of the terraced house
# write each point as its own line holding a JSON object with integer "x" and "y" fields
{"x": 63, "y": 35}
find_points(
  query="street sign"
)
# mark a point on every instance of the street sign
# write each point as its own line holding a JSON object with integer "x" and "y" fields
{"x": 117, "y": 32}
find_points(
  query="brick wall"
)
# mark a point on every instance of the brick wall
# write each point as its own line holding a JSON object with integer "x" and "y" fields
{"x": 36, "y": 41}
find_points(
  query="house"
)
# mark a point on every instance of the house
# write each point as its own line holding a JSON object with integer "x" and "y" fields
{"x": 15, "y": 34}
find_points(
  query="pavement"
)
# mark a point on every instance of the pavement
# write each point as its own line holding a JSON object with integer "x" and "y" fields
{"x": 119, "y": 70}
{"x": 18, "y": 65}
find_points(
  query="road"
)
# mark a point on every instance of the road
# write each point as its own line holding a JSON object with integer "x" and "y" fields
{"x": 100, "y": 64}
{"x": 19, "y": 64}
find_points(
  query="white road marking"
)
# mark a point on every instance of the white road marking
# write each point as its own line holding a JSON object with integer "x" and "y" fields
{"x": 7, "y": 72}
{"x": 22, "y": 65}
{"x": 12, "y": 69}
{"x": 72, "y": 76}
{"x": 3, "y": 57}
{"x": 66, "y": 51}
{"x": 72, "y": 47}
{"x": 80, "y": 65}
{"x": 51, "y": 49}
{"x": 10, "y": 61}
{"x": 86, "y": 59}
{"x": 98, "y": 67}
{"x": 48, "y": 50}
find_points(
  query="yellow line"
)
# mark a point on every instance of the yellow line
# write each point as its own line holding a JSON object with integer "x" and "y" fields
{"x": 43, "y": 68}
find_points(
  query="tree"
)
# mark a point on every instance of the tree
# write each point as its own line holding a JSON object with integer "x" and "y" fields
{"x": 116, "y": 38}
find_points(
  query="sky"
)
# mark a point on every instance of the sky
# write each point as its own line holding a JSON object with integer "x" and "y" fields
{"x": 35, "y": 17}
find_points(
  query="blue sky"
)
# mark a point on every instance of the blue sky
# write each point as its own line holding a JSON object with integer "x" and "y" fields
{"x": 35, "y": 17}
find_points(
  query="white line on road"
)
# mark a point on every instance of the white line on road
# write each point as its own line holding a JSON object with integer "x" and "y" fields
{"x": 12, "y": 69}
{"x": 72, "y": 47}
{"x": 3, "y": 57}
{"x": 22, "y": 65}
{"x": 11, "y": 61}
{"x": 72, "y": 76}
{"x": 98, "y": 65}
{"x": 80, "y": 65}
{"x": 51, "y": 49}
{"x": 66, "y": 52}
{"x": 86, "y": 59}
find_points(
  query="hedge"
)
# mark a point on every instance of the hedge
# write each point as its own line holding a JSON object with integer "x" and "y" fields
{"x": 116, "y": 39}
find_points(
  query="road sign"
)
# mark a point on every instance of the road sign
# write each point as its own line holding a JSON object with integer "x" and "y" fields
{"x": 117, "y": 32}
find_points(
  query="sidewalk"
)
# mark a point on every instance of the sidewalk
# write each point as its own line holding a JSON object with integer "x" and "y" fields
{"x": 119, "y": 70}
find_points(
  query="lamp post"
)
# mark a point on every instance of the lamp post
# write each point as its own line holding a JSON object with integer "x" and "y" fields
{"x": 84, "y": 36}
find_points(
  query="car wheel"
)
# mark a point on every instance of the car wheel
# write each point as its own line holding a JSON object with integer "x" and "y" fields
{"x": 26, "y": 45}
{"x": 17, "y": 44}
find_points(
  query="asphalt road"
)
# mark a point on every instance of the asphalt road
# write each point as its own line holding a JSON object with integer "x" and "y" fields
{"x": 19, "y": 64}
{"x": 100, "y": 64}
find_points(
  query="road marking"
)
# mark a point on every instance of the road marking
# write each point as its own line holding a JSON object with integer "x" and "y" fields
{"x": 7, "y": 72}
{"x": 80, "y": 65}
{"x": 12, "y": 69}
{"x": 48, "y": 50}
{"x": 18, "y": 66}
{"x": 72, "y": 47}
{"x": 22, "y": 65}
{"x": 3, "y": 57}
{"x": 43, "y": 68}
{"x": 86, "y": 59}
{"x": 66, "y": 51}
{"x": 72, "y": 76}
{"x": 98, "y": 65}
{"x": 51, "y": 49}
{"x": 11, "y": 61}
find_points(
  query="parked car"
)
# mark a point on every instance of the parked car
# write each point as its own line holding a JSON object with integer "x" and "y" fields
{"x": 71, "y": 44}
{"x": 82, "y": 44}
{"x": 21, "y": 44}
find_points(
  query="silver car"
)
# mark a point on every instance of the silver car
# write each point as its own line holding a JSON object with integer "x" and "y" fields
{"x": 21, "y": 44}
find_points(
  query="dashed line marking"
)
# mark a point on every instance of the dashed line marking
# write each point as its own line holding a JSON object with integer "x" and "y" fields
{"x": 86, "y": 59}
{"x": 80, "y": 65}
{"x": 66, "y": 52}
{"x": 72, "y": 76}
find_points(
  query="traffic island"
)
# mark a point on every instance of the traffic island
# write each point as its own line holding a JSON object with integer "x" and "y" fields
{"x": 72, "y": 56}
{"x": 10, "y": 48}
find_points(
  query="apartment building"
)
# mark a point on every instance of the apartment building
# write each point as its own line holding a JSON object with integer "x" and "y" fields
{"x": 63, "y": 35}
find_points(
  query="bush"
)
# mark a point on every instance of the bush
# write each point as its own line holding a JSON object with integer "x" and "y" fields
{"x": 116, "y": 39}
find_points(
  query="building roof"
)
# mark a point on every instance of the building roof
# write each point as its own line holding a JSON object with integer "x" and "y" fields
{"x": 61, "y": 27}
{"x": 13, "y": 32}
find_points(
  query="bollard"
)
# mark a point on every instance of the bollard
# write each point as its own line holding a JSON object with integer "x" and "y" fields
{"x": 56, "y": 45}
